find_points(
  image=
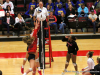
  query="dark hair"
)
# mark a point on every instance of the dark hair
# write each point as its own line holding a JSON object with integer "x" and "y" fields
{"x": 0, "y": 72}
{"x": 98, "y": 59}
{"x": 90, "y": 53}
{"x": 73, "y": 37}
{"x": 7, "y": 7}
{"x": 91, "y": 8}
{"x": 7, "y": 12}
{"x": 18, "y": 13}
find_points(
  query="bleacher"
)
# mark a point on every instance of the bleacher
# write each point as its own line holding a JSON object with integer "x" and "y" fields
{"x": 76, "y": 24}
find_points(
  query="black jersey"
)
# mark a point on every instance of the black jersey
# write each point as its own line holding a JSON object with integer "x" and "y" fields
{"x": 97, "y": 69}
{"x": 72, "y": 46}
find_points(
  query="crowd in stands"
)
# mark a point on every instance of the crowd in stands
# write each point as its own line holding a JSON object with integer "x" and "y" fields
{"x": 59, "y": 13}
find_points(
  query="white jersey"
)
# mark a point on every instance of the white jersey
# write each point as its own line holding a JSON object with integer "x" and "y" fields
{"x": 90, "y": 63}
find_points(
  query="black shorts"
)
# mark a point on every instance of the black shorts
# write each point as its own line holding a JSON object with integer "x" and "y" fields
{"x": 75, "y": 52}
{"x": 92, "y": 71}
{"x": 31, "y": 56}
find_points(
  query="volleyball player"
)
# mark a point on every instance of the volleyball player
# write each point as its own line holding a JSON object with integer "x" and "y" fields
{"x": 32, "y": 47}
{"x": 72, "y": 52}
{"x": 90, "y": 63}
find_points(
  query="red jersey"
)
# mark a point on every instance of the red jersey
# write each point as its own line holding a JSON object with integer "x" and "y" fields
{"x": 33, "y": 46}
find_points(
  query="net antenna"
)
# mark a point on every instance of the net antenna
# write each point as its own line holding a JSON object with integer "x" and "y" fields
{"x": 42, "y": 53}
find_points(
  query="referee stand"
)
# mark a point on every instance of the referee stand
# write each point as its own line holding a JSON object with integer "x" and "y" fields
{"x": 48, "y": 46}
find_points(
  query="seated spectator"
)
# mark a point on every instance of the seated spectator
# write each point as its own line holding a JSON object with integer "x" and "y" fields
{"x": 51, "y": 4}
{"x": 52, "y": 21}
{"x": 29, "y": 13}
{"x": 57, "y": 3}
{"x": 37, "y": 3}
{"x": 0, "y": 72}
{"x": 8, "y": 3}
{"x": 83, "y": 11}
{"x": 79, "y": 3}
{"x": 62, "y": 23}
{"x": 92, "y": 9}
{"x": 92, "y": 19}
{"x": 69, "y": 2}
{"x": 8, "y": 23}
{"x": 33, "y": 3}
{"x": 59, "y": 10}
{"x": 19, "y": 23}
{"x": 70, "y": 11}
{"x": 2, "y": 11}
{"x": 97, "y": 5}
{"x": 49, "y": 9}
{"x": 8, "y": 9}
{"x": 1, "y": 3}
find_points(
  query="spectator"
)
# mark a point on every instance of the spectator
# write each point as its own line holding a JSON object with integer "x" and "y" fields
{"x": 70, "y": 11}
{"x": 49, "y": 9}
{"x": 19, "y": 23}
{"x": 97, "y": 5}
{"x": 52, "y": 21}
{"x": 29, "y": 13}
{"x": 33, "y": 3}
{"x": 79, "y": 3}
{"x": 59, "y": 10}
{"x": 8, "y": 9}
{"x": 69, "y": 2}
{"x": 8, "y": 22}
{"x": 62, "y": 23}
{"x": 82, "y": 11}
{"x": 0, "y": 72}
{"x": 8, "y": 3}
{"x": 3, "y": 14}
{"x": 1, "y": 3}
{"x": 92, "y": 19}
{"x": 92, "y": 9}
{"x": 37, "y": 3}
{"x": 57, "y": 3}
{"x": 51, "y": 4}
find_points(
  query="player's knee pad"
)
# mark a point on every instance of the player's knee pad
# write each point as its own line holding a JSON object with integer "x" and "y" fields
{"x": 67, "y": 62}
{"x": 37, "y": 60}
{"x": 30, "y": 69}
{"x": 25, "y": 59}
{"x": 74, "y": 64}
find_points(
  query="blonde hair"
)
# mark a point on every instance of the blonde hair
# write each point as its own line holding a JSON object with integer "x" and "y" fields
{"x": 63, "y": 14}
{"x": 28, "y": 40}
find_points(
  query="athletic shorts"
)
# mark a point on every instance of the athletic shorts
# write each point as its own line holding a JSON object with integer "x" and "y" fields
{"x": 91, "y": 72}
{"x": 31, "y": 56}
{"x": 75, "y": 52}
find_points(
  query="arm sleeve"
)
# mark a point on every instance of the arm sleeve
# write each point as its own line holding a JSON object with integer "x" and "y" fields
{"x": 5, "y": 5}
{"x": 55, "y": 19}
{"x": 79, "y": 10}
{"x": 86, "y": 10}
{"x": 16, "y": 21}
{"x": 35, "y": 12}
{"x": 35, "y": 33}
{"x": 23, "y": 19}
{"x": 27, "y": 13}
{"x": 95, "y": 4}
{"x": 64, "y": 11}
{"x": 52, "y": 5}
{"x": 66, "y": 5}
{"x": 12, "y": 6}
{"x": 56, "y": 12}
{"x": 65, "y": 39}
{"x": 89, "y": 65}
{"x": 72, "y": 4}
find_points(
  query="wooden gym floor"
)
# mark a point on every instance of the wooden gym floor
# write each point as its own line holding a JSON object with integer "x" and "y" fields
{"x": 12, "y": 66}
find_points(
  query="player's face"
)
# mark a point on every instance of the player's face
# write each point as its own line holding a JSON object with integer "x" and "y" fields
{"x": 8, "y": 14}
{"x": 69, "y": 38}
{"x": 87, "y": 54}
{"x": 70, "y": 6}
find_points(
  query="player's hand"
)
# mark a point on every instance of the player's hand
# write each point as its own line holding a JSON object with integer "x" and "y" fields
{"x": 83, "y": 69}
